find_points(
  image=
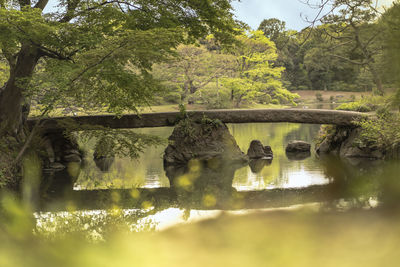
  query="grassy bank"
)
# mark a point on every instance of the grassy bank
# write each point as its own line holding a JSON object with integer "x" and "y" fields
{"x": 310, "y": 96}
{"x": 306, "y": 97}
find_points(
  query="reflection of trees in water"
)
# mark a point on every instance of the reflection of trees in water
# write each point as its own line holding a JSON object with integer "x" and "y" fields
{"x": 97, "y": 225}
{"x": 305, "y": 132}
{"x": 358, "y": 180}
{"x": 104, "y": 163}
{"x": 271, "y": 134}
{"x": 277, "y": 135}
{"x": 125, "y": 172}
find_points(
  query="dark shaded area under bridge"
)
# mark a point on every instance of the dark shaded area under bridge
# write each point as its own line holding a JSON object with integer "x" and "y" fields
{"x": 161, "y": 119}
{"x": 163, "y": 198}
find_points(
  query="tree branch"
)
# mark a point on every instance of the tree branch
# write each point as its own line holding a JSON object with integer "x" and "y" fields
{"x": 349, "y": 60}
{"x": 71, "y": 7}
{"x": 52, "y": 54}
{"x": 41, "y": 4}
{"x": 44, "y": 51}
{"x": 30, "y": 137}
{"x": 95, "y": 64}
{"x": 73, "y": 4}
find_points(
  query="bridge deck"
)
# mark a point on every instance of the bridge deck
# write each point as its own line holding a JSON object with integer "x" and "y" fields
{"x": 314, "y": 116}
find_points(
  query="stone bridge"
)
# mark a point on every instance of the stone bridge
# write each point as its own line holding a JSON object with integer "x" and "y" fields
{"x": 160, "y": 119}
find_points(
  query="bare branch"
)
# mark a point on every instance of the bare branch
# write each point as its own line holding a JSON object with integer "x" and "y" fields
{"x": 317, "y": 18}
{"x": 41, "y": 4}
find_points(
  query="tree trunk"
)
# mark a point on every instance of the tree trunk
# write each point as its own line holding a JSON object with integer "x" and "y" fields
{"x": 193, "y": 89}
{"x": 377, "y": 80}
{"x": 12, "y": 99}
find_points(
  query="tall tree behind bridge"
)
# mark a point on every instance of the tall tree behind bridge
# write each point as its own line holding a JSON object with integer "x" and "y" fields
{"x": 290, "y": 52}
{"x": 355, "y": 37}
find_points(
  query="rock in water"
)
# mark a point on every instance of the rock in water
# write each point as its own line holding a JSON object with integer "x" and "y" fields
{"x": 344, "y": 141}
{"x": 298, "y": 146}
{"x": 258, "y": 151}
{"x": 203, "y": 141}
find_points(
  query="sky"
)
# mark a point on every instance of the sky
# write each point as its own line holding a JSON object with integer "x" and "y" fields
{"x": 253, "y": 12}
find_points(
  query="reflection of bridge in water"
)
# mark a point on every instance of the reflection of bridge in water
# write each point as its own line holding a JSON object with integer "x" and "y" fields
{"x": 160, "y": 119}
{"x": 225, "y": 196}
{"x": 162, "y": 198}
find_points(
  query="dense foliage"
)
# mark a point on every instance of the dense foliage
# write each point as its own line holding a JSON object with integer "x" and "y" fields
{"x": 96, "y": 53}
{"x": 220, "y": 77}
{"x": 353, "y": 49}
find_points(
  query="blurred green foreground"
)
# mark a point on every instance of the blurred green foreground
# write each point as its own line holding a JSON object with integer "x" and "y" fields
{"x": 332, "y": 233}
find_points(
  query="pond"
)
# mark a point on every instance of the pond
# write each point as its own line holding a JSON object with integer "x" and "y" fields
{"x": 282, "y": 172}
{"x": 140, "y": 189}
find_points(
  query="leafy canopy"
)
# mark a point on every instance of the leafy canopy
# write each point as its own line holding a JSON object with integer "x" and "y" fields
{"x": 257, "y": 75}
{"x": 100, "y": 53}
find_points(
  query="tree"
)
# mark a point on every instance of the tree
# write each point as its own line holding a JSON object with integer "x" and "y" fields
{"x": 290, "y": 51}
{"x": 256, "y": 73}
{"x": 275, "y": 30}
{"x": 194, "y": 68}
{"x": 324, "y": 71}
{"x": 390, "y": 22}
{"x": 95, "y": 53}
{"x": 353, "y": 32}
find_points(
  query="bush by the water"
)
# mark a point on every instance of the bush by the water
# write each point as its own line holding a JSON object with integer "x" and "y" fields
{"x": 355, "y": 106}
{"x": 366, "y": 104}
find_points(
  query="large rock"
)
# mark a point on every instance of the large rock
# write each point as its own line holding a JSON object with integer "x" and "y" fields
{"x": 344, "y": 141}
{"x": 351, "y": 148}
{"x": 258, "y": 151}
{"x": 298, "y": 146}
{"x": 60, "y": 149}
{"x": 203, "y": 140}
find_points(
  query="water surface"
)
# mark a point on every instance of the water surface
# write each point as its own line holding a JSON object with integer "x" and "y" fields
{"x": 282, "y": 172}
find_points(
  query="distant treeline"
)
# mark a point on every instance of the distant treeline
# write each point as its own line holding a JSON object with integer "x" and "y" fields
{"x": 355, "y": 48}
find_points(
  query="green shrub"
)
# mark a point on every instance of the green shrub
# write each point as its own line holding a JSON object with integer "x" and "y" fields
{"x": 264, "y": 99}
{"x": 365, "y": 104}
{"x": 382, "y": 131}
{"x": 275, "y": 102}
{"x": 355, "y": 106}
